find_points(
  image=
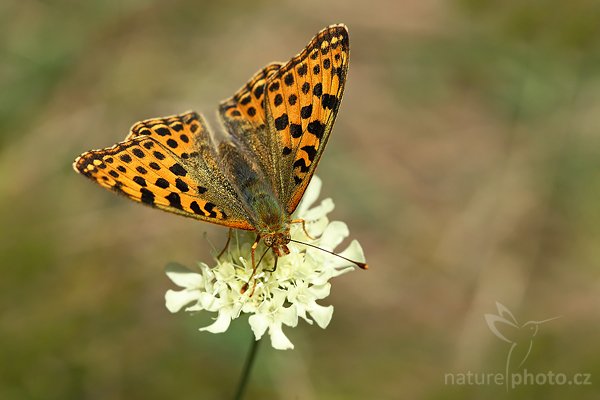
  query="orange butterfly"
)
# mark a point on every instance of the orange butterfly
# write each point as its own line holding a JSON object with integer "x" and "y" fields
{"x": 277, "y": 124}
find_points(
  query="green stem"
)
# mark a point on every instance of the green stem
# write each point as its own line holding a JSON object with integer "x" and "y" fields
{"x": 239, "y": 394}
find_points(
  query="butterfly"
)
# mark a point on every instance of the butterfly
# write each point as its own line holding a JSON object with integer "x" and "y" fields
{"x": 276, "y": 128}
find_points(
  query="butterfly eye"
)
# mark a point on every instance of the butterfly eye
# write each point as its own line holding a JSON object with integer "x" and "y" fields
{"x": 269, "y": 241}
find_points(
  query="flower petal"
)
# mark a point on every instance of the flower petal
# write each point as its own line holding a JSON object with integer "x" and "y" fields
{"x": 259, "y": 324}
{"x": 320, "y": 291}
{"x": 288, "y": 316}
{"x": 319, "y": 212}
{"x": 175, "y": 300}
{"x": 221, "y": 323}
{"x": 334, "y": 234}
{"x": 183, "y": 277}
{"x": 354, "y": 252}
{"x": 278, "y": 339}
{"x": 322, "y": 315}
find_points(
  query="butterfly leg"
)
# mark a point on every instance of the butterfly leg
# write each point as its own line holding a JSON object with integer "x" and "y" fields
{"x": 254, "y": 266}
{"x": 226, "y": 243}
{"x": 303, "y": 222}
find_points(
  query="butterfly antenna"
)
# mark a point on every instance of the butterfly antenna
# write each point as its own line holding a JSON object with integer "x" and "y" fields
{"x": 357, "y": 263}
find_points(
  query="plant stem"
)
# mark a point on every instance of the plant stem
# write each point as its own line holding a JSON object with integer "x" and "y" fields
{"x": 239, "y": 394}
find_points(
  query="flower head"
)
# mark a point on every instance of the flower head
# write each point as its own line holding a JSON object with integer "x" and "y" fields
{"x": 280, "y": 292}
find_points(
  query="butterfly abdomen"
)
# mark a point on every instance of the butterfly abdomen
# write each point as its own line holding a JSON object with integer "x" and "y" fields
{"x": 266, "y": 210}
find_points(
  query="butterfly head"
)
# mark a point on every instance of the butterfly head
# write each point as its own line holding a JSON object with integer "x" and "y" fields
{"x": 278, "y": 241}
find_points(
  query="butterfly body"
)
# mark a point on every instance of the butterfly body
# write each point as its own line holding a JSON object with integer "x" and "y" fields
{"x": 266, "y": 214}
{"x": 277, "y": 126}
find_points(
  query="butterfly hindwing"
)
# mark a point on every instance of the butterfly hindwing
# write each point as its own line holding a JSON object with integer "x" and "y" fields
{"x": 247, "y": 104}
{"x": 244, "y": 119}
{"x": 175, "y": 132}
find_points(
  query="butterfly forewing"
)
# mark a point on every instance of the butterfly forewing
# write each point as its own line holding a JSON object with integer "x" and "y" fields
{"x": 298, "y": 102}
{"x": 303, "y": 98}
{"x": 146, "y": 170}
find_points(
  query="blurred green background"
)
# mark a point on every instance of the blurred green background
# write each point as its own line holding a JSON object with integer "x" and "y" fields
{"x": 465, "y": 159}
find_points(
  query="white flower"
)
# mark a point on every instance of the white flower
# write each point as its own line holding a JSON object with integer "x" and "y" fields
{"x": 274, "y": 297}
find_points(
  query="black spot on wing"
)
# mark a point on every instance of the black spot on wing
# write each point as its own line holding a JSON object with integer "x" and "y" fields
{"x": 329, "y": 101}
{"x": 174, "y": 200}
{"x": 209, "y": 207}
{"x": 274, "y": 86}
{"x": 139, "y": 180}
{"x": 259, "y": 91}
{"x": 318, "y": 89}
{"x": 289, "y": 79}
{"x": 196, "y": 208}
{"x": 311, "y": 151}
{"x": 162, "y": 131}
{"x": 296, "y": 130}
{"x": 306, "y": 111}
{"x": 177, "y": 127}
{"x": 281, "y": 122}
{"x": 138, "y": 153}
{"x": 316, "y": 128}
{"x": 181, "y": 185}
{"x": 300, "y": 163}
{"x": 305, "y": 87}
{"x": 177, "y": 169}
{"x": 147, "y": 196}
{"x": 302, "y": 69}
{"x": 162, "y": 183}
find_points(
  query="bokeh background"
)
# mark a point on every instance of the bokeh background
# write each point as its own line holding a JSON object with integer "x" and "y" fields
{"x": 465, "y": 159}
